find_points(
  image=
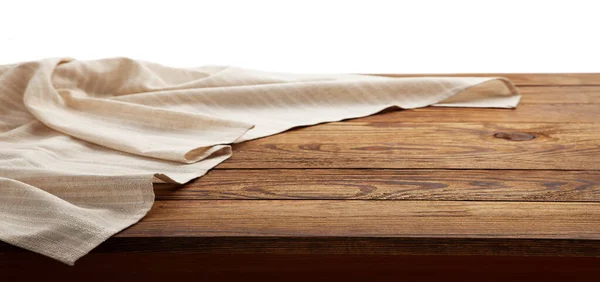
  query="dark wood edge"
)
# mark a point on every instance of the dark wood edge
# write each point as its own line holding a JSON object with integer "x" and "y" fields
{"x": 346, "y": 246}
{"x": 269, "y": 267}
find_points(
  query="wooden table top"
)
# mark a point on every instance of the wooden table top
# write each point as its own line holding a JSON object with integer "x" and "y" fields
{"x": 430, "y": 181}
{"x": 486, "y": 175}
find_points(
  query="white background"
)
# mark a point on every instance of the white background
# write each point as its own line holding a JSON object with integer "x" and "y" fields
{"x": 312, "y": 36}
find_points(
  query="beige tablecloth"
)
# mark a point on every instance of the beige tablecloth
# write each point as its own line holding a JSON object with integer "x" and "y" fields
{"x": 81, "y": 142}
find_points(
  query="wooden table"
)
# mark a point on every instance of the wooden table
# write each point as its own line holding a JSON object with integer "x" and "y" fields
{"x": 427, "y": 193}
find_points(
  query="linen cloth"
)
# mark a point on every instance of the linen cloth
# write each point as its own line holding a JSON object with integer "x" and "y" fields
{"x": 81, "y": 142}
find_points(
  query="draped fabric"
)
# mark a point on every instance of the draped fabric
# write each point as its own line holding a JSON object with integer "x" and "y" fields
{"x": 82, "y": 142}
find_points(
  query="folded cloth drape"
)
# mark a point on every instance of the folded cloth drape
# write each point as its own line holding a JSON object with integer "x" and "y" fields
{"x": 81, "y": 142}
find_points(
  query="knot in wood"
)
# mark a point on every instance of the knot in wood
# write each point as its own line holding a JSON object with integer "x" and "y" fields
{"x": 514, "y": 136}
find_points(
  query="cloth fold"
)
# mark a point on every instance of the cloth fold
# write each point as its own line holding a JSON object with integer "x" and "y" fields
{"x": 81, "y": 142}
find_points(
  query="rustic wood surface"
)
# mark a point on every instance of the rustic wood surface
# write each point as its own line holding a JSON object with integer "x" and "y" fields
{"x": 493, "y": 191}
{"x": 469, "y": 145}
{"x": 389, "y": 184}
{"x": 315, "y": 218}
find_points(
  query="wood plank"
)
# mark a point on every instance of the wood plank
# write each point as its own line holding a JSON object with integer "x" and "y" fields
{"x": 565, "y": 146}
{"x": 527, "y": 79}
{"x": 314, "y": 218}
{"x": 366, "y": 246}
{"x": 373, "y": 184}
{"x": 560, "y": 95}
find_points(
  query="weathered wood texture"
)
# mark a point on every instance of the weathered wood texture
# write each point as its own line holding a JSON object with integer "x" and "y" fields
{"x": 389, "y": 184}
{"x": 314, "y": 218}
{"x": 566, "y": 146}
{"x": 560, "y": 95}
{"x": 427, "y": 193}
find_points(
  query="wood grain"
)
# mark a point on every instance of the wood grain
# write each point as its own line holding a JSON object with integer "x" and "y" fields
{"x": 565, "y": 146}
{"x": 318, "y": 218}
{"x": 427, "y": 194}
{"x": 526, "y": 79}
{"x": 377, "y": 184}
{"x": 560, "y": 95}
